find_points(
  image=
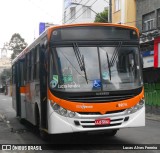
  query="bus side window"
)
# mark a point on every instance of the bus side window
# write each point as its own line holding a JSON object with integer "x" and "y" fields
{"x": 22, "y": 72}
{"x": 13, "y": 74}
{"x": 36, "y": 63}
{"x": 27, "y": 69}
{"x": 32, "y": 64}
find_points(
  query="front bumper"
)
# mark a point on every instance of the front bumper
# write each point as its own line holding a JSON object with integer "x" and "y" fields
{"x": 85, "y": 123}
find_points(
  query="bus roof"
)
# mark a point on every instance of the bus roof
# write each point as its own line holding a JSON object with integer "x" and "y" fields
{"x": 49, "y": 30}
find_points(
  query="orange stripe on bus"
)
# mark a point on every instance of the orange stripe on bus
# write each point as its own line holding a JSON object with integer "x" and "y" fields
{"x": 22, "y": 89}
{"x": 96, "y": 107}
{"x": 51, "y": 29}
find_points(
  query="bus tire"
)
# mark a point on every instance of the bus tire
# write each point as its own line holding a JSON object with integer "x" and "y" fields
{"x": 22, "y": 121}
{"x": 44, "y": 135}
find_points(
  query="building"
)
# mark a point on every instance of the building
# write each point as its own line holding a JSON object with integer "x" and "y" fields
{"x": 82, "y": 11}
{"x": 124, "y": 12}
{"x": 5, "y": 61}
{"x": 145, "y": 15}
{"x": 148, "y": 22}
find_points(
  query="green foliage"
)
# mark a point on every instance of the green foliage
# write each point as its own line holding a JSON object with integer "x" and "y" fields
{"x": 102, "y": 17}
{"x": 6, "y": 74}
{"x": 16, "y": 44}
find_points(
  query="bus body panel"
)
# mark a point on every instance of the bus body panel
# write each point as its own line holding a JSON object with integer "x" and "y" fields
{"x": 32, "y": 102}
{"x": 23, "y": 106}
{"x": 30, "y": 112}
{"x": 32, "y": 98}
{"x": 67, "y": 125}
{"x": 96, "y": 107}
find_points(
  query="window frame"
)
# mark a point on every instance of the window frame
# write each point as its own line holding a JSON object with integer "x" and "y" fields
{"x": 86, "y": 11}
{"x": 117, "y": 5}
{"x": 148, "y": 21}
{"x": 73, "y": 12}
{"x": 158, "y": 18}
{"x": 149, "y": 24}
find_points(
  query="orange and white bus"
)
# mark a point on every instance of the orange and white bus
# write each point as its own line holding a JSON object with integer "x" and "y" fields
{"x": 81, "y": 78}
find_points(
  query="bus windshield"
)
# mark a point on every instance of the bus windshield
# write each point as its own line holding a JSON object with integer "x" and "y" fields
{"x": 100, "y": 68}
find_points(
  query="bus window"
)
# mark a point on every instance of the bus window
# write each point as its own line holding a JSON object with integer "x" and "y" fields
{"x": 71, "y": 77}
{"x": 119, "y": 75}
{"x": 30, "y": 66}
{"x": 37, "y": 63}
{"x": 22, "y": 73}
{"x": 27, "y": 67}
{"x": 13, "y": 74}
{"x": 32, "y": 63}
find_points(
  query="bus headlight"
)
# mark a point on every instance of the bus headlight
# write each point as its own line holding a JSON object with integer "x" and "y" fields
{"x": 62, "y": 111}
{"x": 55, "y": 107}
{"x": 136, "y": 107}
{"x": 71, "y": 114}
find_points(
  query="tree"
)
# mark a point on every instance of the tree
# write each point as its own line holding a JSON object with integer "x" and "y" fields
{"x": 16, "y": 44}
{"x": 6, "y": 74}
{"x": 102, "y": 17}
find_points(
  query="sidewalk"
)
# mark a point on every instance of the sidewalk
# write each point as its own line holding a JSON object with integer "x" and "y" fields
{"x": 152, "y": 117}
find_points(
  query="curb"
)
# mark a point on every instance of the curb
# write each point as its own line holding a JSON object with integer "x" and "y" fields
{"x": 153, "y": 117}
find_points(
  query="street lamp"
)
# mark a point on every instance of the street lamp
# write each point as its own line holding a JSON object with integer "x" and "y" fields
{"x": 90, "y": 9}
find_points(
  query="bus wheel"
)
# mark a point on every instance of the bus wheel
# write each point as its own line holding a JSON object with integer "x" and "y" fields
{"x": 44, "y": 135}
{"x": 111, "y": 132}
{"x": 22, "y": 121}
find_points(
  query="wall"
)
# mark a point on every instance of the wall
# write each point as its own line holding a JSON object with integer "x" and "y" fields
{"x": 97, "y": 6}
{"x": 127, "y": 13}
{"x": 130, "y": 12}
{"x": 116, "y": 15}
{"x": 144, "y": 7}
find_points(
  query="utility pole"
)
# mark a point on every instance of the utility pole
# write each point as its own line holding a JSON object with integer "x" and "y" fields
{"x": 110, "y": 12}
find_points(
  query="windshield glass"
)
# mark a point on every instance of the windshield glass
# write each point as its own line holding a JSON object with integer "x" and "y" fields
{"x": 95, "y": 68}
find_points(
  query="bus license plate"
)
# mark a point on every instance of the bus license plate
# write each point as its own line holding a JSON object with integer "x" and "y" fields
{"x": 105, "y": 121}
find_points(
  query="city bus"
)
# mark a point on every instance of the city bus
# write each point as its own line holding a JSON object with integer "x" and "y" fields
{"x": 81, "y": 78}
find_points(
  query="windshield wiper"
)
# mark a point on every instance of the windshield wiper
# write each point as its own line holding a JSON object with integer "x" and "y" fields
{"x": 108, "y": 65}
{"x": 80, "y": 59}
{"x": 115, "y": 54}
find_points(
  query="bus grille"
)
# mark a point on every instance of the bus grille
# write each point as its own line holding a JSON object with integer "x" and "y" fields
{"x": 98, "y": 113}
{"x": 100, "y": 98}
{"x": 99, "y": 126}
{"x": 91, "y": 124}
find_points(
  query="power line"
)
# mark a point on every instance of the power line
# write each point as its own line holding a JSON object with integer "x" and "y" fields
{"x": 77, "y": 11}
{"x": 69, "y": 12}
{"x": 85, "y": 10}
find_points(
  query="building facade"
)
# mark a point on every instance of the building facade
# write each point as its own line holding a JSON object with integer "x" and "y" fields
{"x": 148, "y": 22}
{"x": 5, "y": 61}
{"x": 124, "y": 12}
{"x": 82, "y": 11}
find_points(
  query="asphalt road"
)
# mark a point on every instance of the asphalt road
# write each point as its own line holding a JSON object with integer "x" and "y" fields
{"x": 12, "y": 132}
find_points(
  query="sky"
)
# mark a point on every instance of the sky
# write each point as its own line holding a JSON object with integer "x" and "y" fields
{"x": 24, "y": 16}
